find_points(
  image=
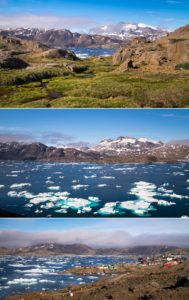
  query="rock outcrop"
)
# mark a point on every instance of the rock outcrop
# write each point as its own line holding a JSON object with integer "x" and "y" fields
{"x": 168, "y": 52}
{"x": 9, "y": 62}
{"x": 59, "y": 53}
{"x": 18, "y": 45}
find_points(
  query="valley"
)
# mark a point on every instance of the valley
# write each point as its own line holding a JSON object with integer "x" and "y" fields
{"x": 35, "y": 75}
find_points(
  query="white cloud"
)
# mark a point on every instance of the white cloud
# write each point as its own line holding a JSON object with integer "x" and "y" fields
{"x": 12, "y": 238}
{"x": 45, "y": 21}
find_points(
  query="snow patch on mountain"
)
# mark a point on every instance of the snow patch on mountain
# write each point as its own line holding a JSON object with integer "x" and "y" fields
{"x": 128, "y": 31}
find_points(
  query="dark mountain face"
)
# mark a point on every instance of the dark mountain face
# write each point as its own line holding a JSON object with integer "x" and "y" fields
{"x": 119, "y": 150}
{"x": 34, "y": 151}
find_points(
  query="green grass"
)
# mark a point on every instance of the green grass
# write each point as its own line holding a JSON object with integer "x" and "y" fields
{"x": 34, "y": 87}
{"x": 182, "y": 67}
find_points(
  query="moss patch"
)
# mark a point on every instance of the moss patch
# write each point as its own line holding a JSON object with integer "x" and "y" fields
{"x": 98, "y": 85}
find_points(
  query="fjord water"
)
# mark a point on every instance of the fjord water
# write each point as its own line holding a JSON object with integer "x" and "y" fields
{"x": 24, "y": 274}
{"x": 38, "y": 189}
{"x": 89, "y": 52}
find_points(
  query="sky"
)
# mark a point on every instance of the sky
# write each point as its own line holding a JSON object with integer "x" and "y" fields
{"x": 83, "y": 14}
{"x": 113, "y": 232}
{"x": 90, "y": 126}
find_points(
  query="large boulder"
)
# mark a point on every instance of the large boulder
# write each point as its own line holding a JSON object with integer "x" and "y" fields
{"x": 9, "y": 62}
{"x": 59, "y": 53}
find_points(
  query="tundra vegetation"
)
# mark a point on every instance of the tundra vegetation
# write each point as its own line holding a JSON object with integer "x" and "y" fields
{"x": 93, "y": 82}
{"x": 143, "y": 74}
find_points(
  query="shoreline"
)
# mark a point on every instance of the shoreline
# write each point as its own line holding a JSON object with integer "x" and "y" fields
{"x": 149, "y": 282}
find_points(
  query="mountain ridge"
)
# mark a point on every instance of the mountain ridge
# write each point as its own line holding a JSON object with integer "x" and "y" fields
{"x": 128, "y": 31}
{"x": 112, "y": 35}
{"x": 83, "y": 249}
{"x": 122, "y": 149}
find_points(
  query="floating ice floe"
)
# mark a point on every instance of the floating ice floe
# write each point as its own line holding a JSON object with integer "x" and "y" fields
{"x": 49, "y": 181}
{"x": 19, "y": 185}
{"x": 146, "y": 194}
{"x": 23, "y": 281}
{"x": 91, "y": 176}
{"x": 92, "y": 168}
{"x": 2, "y": 186}
{"x": 175, "y": 196}
{"x": 108, "y": 177}
{"x": 178, "y": 174}
{"x": 108, "y": 209}
{"x": 125, "y": 169}
{"x": 79, "y": 186}
{"x": 102, "y": 185}
{"x": 60, "y": 201}
{"x": 46, "y": 280}
{"x": 54, "y": 188}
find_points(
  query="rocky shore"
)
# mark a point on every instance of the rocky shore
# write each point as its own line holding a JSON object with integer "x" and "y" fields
{"x": 135, "y": 283}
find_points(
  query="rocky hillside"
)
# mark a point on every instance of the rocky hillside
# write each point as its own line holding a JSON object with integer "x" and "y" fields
{"x": 169, "y": 52}
{"x": 38, "y": 151}
{"x": 135, "y": 283}
{"x": 122, "y": 149}
{"x": 13, "y": 48}
{"x": 128, "y": 31}
{"x": 82, "y": 249}
{"x": 63, "y": 38}
{"x": 20, "y": 45}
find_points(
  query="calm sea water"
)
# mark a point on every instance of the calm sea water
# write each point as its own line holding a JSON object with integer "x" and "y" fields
{"x": 24, "y": 274}
{"x": 88, "y": 52}
{"x": 36, "y": 189}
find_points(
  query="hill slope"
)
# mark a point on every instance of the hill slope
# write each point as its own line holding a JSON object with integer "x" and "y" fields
{"x": 169, "y": 52}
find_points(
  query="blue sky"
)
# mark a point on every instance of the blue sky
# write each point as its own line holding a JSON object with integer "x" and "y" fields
{"x": 54, "y": 127}
{"x": 84, "y": 14}
{"x": 133, "y": 226}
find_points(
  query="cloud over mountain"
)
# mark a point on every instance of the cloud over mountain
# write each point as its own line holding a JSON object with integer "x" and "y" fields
{"x": 13, "y": 238}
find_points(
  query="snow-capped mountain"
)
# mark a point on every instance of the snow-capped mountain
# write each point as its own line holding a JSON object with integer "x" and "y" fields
{"x": 128, "y": 31}
{"x": 62, "y": 37}
{"x": 24, "y": 33}
{"x": 124, "y": 145}
{"x": 122, "y": 149}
